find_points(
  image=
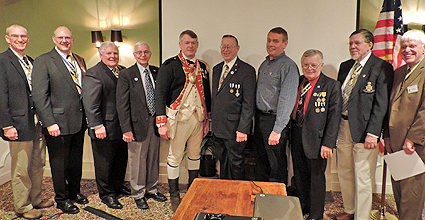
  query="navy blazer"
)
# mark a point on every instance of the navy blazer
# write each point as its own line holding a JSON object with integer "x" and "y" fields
{"x": 322, "y": 118}
{"x": 367, "y": 108}
{"x": 233, "y": 105}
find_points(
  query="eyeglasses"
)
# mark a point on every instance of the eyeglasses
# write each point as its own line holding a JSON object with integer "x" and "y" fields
{"x": 63, "y": 38}
{"x": 138, "y": 53}
{"x": 223, "y": 47}
{"x": 15, "y": 36}
{"x": 313, "y": 66}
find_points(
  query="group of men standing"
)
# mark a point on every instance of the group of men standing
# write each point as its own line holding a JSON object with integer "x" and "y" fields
{"x": 126, "y": 110}
{"x": 67, "y": 99}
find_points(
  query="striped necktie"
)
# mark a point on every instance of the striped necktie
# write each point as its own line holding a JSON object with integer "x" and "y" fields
{"x": 350, "y": 85}
{"x": 223, "y": 76}
{"x": 299, "y": 117}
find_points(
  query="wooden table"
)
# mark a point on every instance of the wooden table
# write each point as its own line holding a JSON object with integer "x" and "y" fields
{"x": 223, "y": 196}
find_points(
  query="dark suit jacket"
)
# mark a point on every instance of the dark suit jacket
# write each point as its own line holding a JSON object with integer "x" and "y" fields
{"x": 170, "y": 82}
{"x": 16, "y": 105}
{"x": 231, "y": 113}
{"x": 56, "y": 97}
{"x": 320, "y": 128}
{"x": 131, "y": 102}
{"x": 407, "y": 110}
{"x": 367, "y": 109}
{"x": 99, "y": 99}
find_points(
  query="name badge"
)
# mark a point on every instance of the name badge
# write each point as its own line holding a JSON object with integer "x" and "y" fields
{"x": 412, "y": 89}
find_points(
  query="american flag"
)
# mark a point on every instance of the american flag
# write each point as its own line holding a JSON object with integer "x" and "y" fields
{"x": 387, "y": 33}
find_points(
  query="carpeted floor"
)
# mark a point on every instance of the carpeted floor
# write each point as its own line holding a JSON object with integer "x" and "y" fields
{"x": 157, "y": 210}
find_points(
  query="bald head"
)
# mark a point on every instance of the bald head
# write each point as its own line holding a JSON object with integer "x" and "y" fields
{"x": 63, "y": 39}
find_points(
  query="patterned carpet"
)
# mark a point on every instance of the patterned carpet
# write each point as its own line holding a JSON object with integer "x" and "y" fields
{"x": 157, "y": 211}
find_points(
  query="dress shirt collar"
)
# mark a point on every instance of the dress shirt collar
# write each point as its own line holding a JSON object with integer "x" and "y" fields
{"x": 231, "y": 63}
{"x": 17, "y": 54}
{"x": 62, "y": 54}
{"x": 312, "y": 82}
{"x": 413, "y": 68}
{"x": 142, "y": 68}
{"x": 363, "y": 62}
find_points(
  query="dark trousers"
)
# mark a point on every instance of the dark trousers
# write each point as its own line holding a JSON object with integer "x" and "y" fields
{"x": 270, "y": 160}
{"x": 231, "y": 156}
{"x": 66, "y": 161}
{"x": 110, "y": 163}
{"x": 309, "y": 175}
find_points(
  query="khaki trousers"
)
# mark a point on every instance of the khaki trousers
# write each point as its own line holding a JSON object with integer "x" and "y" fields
{"x": 28, "y": 160}
{"x": 143, "y": 164}
{"x": 356, "y": 173}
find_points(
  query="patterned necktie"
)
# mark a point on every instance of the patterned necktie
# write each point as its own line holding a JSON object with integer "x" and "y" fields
{"x": 116, "y": 71}
{"x": 73, "y": 72}
{"x": 346, "y": 92}
{"x": 299, "y": 117}
{"x": 226, "y": 71}
{"x": 26, "y": 60}
{"x": 149, "y": 93}
{"x": 409, "y": 71}
{"x": 29, "y": 71}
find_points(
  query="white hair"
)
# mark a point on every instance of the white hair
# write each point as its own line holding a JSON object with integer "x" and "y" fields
{"x": 140, "y": 43}
{"x": 105, "y": 45}
{"x": 416, "y": 35}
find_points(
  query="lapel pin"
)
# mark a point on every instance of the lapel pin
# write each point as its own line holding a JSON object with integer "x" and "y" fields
{"x": 136, "y": 79}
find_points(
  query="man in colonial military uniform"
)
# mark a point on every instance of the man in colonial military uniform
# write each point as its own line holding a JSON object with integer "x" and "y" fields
{"x": 182, "y": 101}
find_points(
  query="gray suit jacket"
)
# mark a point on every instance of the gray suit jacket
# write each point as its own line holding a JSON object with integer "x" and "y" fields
{"x": 99, "y": 86}
{"x": 16, "y": 105}
{"x": 56, "y": 97}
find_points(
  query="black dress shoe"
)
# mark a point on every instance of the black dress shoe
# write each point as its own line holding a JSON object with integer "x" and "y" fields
{"x": 80, "y": 199}
{"x": 141, "y": 203}
{"x": 156, "y": 196}
{"x": 68, "y": 207}
{"x": 112, "y": 202}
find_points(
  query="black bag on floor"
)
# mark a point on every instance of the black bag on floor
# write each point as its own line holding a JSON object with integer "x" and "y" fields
{"x": 208, "y": 159}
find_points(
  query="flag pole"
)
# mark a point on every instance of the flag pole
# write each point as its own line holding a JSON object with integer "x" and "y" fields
{"x": 382, "y": 214}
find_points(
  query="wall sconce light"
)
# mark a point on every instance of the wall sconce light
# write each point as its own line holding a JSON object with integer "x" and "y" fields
{"x": 116, "y": 36}
{"x": 405, "y": 28}
{"x": 96, "y": 37}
